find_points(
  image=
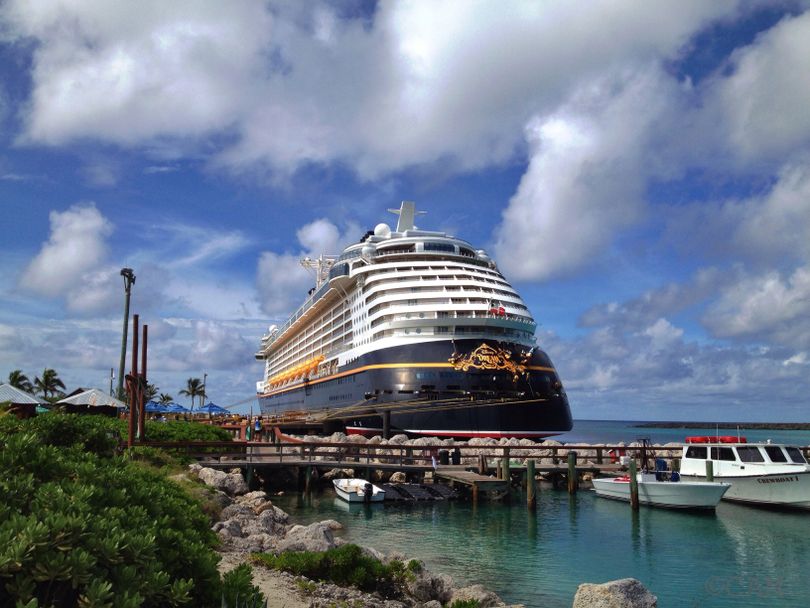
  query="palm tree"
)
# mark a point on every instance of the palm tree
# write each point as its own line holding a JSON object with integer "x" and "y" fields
{"x": 19, "y": 380}
{"x": 150, "y": 392}
{"x": 165, "y": 399}
{"x": 194, "y": 388}
{"x": 49, "y": 383}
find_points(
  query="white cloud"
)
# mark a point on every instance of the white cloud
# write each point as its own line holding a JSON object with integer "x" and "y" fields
{"x": 767, "y": 307}
{"x": 76, "y": 247}
{"x": 585, "y": 181}
{"x": 282, "y": 281}
{"x": 763, "y": 103}
{"x": 417, "y": 83}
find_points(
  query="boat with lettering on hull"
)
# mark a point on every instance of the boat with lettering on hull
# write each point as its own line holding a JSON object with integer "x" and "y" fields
{"x": 763, "y": 474}
{"x": 414, "y": 330}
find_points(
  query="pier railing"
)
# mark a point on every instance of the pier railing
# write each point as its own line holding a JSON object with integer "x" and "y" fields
{"x": 369, "y": 454}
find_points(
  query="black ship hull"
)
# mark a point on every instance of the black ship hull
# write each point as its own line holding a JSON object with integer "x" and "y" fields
{"x": 461, "y": 388}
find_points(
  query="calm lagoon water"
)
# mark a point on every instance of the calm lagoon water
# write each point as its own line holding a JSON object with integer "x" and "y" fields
{"x": 614, "y": 431}
{"x": 738, "y": 556}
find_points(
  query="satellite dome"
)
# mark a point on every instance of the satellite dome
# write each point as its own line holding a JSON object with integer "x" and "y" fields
{"x": 482, "y": 255}
{"x": 383, "y": 230}
{"x": 368, "y": 249}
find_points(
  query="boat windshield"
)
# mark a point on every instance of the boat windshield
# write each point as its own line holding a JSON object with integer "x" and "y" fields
{"x": 723, "y": 454}
{"x": 775, "y": 453}
{"x": 795, "y": 455}
{"x": 750, "y": 454}
{"x": 694, "y": 451}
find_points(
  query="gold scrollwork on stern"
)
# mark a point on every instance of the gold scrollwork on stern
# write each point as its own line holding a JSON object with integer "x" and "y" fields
{"x": 489, "y": 357}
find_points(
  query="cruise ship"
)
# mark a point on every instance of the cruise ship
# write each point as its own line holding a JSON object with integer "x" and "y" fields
{"x": 412, "y": 331}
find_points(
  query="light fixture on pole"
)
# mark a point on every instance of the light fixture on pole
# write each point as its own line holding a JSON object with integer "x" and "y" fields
{"x": 129, "y": 280}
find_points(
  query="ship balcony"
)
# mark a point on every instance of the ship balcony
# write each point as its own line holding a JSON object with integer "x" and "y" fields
{"x": 482, "y": 321}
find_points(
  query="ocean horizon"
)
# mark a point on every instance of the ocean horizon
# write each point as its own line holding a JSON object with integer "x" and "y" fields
{"x": 627, "y": 431}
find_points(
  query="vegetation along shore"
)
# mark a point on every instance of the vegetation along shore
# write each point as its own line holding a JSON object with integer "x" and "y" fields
{"x": 85, "y": 523}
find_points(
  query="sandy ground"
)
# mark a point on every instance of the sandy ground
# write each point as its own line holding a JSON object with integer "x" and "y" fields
{"x": 279, "y": 590}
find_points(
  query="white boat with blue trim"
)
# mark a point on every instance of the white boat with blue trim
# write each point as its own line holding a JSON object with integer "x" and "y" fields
{"x": 655, "y": 491}
{"x": 358, "y": 490}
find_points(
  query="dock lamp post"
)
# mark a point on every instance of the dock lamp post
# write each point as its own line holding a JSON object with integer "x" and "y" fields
{"x": 129, "y": 281}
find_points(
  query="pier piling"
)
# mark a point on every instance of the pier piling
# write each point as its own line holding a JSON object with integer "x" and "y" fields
{"x": 633, "y": 486}
{"x": 531, "y": 500}
{"x": 572, "y": 472}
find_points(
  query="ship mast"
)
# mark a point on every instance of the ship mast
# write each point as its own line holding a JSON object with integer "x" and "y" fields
{"x": 407, "y": 214}
{"x": 321, "y": 265}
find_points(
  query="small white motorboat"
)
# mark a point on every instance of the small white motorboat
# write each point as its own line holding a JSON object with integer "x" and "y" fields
{"x": 358, "y": 490}
{"x": 760, "y": 473}
{"x": 663, "y": 493}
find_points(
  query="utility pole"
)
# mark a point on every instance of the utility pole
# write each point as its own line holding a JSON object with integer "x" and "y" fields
{"x": 129, "y": 281}
{"x": 112, "y": 377}
{"x": 204, "y": 387}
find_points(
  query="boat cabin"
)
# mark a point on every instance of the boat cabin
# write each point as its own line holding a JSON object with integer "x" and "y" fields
{"x": 739, "y": 457}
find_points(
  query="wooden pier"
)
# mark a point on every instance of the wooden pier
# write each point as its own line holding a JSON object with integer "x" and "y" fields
{"x": 487, "y": 471}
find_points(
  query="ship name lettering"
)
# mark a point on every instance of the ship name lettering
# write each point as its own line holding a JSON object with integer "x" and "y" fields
{"x": 779, "y": 479}
{"x": 490, "y": 358}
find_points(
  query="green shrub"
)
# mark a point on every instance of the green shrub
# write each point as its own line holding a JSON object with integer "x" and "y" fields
{"x": 465, "y": 604}
{"x": 181, "y": 430}
{"x": 238, "y": 590}
{"x": 79, "y": 526}
{"x": 346, "y": 566}
{"x": 97, "y": 434}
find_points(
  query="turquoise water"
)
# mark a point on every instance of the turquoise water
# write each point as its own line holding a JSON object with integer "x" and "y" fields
{"x": 614, "y": 431}
{"x": 738, "y": 556}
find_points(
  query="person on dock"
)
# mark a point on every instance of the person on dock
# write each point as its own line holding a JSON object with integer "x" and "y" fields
{"x": 257, "y": 429}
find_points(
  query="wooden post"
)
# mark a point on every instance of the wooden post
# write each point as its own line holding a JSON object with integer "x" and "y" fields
{"x": 599, "y": 459}
{"x": 531, "y": 500}
{"x": 475, "y": 493}
{"x": 505, "y": 465}
{"x": 633, "y": 485}
{"x": 482, "y": 464}
{"x": 308, "y": 479}
{"x": 709, "y": 470}
{"x": 572, "y": 472}
{"x": 141, "y": 404}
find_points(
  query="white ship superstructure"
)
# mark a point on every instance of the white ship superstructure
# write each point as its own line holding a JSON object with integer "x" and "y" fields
{"x": 394, "y": 289}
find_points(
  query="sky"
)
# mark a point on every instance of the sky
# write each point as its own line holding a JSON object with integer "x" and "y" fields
{"x": 639, "y": 170}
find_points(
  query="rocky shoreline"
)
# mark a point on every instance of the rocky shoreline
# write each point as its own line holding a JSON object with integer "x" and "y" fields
{"x": 250, "y": 523}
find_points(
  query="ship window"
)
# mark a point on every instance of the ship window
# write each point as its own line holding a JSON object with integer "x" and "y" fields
{"x": 440, "y": 247}
{"x": 775, "y": 453}
{"x": 795, "y": 455}
{"x": 694, "y": 451}
{"x": 750, "y": 454}
{"x": 723, "y": 454}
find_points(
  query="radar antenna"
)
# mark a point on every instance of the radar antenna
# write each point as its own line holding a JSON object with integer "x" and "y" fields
{"x": 407, "y": 213}
{"x": 321, "y": 265}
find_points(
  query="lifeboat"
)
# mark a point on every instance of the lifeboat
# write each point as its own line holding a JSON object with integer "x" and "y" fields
{"x": 716, "y": 439}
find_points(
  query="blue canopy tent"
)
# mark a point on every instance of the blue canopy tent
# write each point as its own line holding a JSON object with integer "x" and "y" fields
{"x": 176, "y": 408}
{"x": 154, "y": 407}
{"x": 212, "y": 408}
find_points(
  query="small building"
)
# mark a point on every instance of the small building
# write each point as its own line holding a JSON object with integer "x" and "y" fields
{"x": 91, "y": 401}
{"x": 23, "y": 405}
